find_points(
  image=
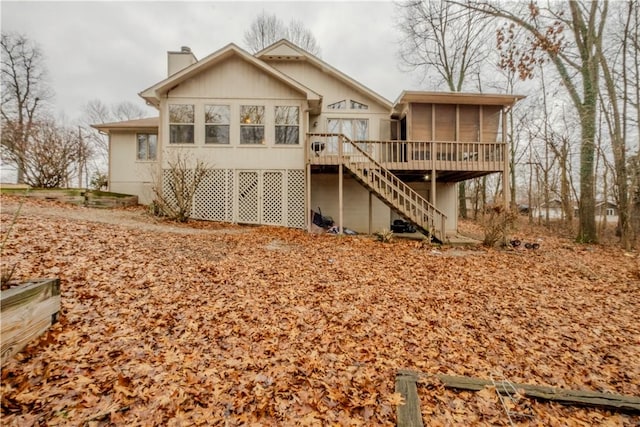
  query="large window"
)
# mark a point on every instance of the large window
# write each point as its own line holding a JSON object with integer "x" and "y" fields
{"x": 354, "y": 129}
{"x": 216, "y": 119}
{"x": 287, "y": 125}
{"x": 181, "y": 124}
{"x": 147, "y": 146}
{"x": 251, "y": 124}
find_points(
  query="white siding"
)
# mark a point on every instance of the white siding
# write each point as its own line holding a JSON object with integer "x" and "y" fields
{"x": 236, "y": 82}
{"x": 127, "y": 174}
{"x": 334, "y": 90}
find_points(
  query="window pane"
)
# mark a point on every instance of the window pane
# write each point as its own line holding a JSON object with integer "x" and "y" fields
{"x": 142, "y": 147}
{"x": 287, "y": 116}
{"x": 346, "y": 129}
{"x": 181, "y": 134}
{"x": 287, "y": 135}
{"x": 361, "y": 130}
{"x": 216, "y": 134}
{"x": 333, "y": 125}
{"x": 180, "y": 113}
{"x": 153, "y": 146}
{"x": 252, "y": 114}
{"x": 340, "y": 105}
{"x": 355, "y": 105}
{"x": 251, "y": 134}
{"x": 217, "y": 114}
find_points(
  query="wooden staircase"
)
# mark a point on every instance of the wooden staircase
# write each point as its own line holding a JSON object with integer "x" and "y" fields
{"x": 393, "y": 192}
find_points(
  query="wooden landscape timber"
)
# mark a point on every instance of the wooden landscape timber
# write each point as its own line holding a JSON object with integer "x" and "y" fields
{"x": 409, "y": 415}
{"x": 27, "y": 311}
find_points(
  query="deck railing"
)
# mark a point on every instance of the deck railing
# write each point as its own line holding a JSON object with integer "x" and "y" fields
{"x": 412, "y": 155}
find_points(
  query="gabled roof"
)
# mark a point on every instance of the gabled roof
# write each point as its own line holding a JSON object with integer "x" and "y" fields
{"x": 146, "y": 123}
{"x": 152, "y": 95}
{"x": 285, "y": 50}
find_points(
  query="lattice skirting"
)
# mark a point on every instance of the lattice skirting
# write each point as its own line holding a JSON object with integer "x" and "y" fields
{"x": 272, "y": 197}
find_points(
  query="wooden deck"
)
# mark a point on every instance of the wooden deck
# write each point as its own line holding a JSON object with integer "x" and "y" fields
{"x": 452, "y": 161}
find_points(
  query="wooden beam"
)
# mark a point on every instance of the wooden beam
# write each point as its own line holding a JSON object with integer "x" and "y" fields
{"x": 408, "y": 414}
{"x": 505, "y": 174}
{"x": 307, "y": 196}
{"x": 340, "y": 185}
{"x": 566, "y": 397}
{"x": 370, "y": 212}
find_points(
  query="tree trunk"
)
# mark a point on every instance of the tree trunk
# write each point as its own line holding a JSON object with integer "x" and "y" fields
{"x": 587, "y": 232}
{"x": 462, "y": 199}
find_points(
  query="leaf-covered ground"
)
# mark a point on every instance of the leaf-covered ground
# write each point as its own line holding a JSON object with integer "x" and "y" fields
{"x": 175, "y": 325}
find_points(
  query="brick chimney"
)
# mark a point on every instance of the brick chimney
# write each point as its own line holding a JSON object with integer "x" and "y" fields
{"x": 177, "y": 61}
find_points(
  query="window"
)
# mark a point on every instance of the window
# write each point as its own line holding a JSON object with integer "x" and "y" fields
{"x": 354, "y": 129}
{"x": 287, "y": 119}
{"x": 251, "y": 124}
{"x": 355, "y": 105}
{"x": 216, "y": 128}
{"x": 610, "y": 212}
{"x": 181, "y": 124}
{"x": 147, "y": 146}
{"x": 340, "y": 105}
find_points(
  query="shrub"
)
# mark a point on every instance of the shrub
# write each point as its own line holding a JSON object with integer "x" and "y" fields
{"x": 496, "y": 224}
{"x": 175, "y": 190}
{"x": 384, "y": 236}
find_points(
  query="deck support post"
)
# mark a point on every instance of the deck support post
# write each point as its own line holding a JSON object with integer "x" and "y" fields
{"x": 370, "y": 212}
{"x": 340, "y": 184}
{"x": 307, "y": 196}
{"x": 505, "y": 172}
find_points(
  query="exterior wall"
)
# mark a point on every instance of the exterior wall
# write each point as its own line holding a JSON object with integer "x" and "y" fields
{"x": 235, "y": 82}
{"x": 127, "y": 174}
{"x": 446, "y": 201}
{"x": 324, "y": 194}
{"x": 334, "y": 90}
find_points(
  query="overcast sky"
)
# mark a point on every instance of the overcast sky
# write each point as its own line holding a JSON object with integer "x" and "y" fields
{"x": 113, "y": 50}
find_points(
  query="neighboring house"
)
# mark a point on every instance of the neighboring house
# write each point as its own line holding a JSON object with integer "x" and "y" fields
{"x": 554, "y": 208}
{"x": 285, "y": 133}
{"x": 604, "y": 212}
{"x": 607, "y": 212}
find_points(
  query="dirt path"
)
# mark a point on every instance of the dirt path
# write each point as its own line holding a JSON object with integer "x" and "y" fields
{"x": 137, "y": 218}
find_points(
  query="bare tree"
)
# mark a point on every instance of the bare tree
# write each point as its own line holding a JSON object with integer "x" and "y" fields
{"x": 24, "y": 94}
{"x": 268, "y": 29}
{"x": 50, "y": 156}
{"x": 578, "y": 68}
{"x": 615, "y": 101}
{"x": 445, "y": 41}
{"x": 126, "y": 110}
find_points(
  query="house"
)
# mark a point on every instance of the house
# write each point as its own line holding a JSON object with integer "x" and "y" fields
{"x": 605, "y": 212}
{"x": 554, "y": 209}
{"x": 285, "y": 133}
